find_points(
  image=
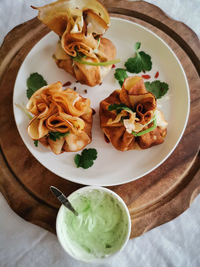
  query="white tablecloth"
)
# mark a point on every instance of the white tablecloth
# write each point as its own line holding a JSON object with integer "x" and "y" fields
{"x": 176, "y": 243}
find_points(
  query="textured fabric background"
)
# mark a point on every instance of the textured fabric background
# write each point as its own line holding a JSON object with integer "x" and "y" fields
{"x": 176, "y": 243}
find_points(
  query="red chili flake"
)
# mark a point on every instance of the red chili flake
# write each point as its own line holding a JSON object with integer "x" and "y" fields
{"x": 146, "y": 77}
{"x": 74, "y": 88}
{"x": 93, "y": 112}
{"x": 67, "y": 84}
{"x": 106, "y": 139}
{"x": 113, "y": 66}
{"x": 157, "y": 74}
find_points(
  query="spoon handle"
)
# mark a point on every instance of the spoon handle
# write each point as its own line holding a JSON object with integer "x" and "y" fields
{"x": 63, "y": 199}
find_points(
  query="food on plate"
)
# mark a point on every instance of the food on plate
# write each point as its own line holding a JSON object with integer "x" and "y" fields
{"x": 62, "y": 118}
{"x": 81, "y": 50}
{"x": 130, "y": 119}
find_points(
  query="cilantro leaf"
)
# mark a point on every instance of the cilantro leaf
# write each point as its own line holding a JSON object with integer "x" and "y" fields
{"x": 116, "y": 106}
{"x": 90, "y": 153}
{"x": 137, "y": 46}
{"x": 140, "y": 62}
{"x": 34, "y": 82}
{"x": 85, "y": 164}
{"x": 86, "y": 159}
{"x": 57, "y": 135}
{"x": 77, "y": 160}
{"x": 36, "y": 143}
{"x": 120, "y": 75}
{"x": 157, "y": 88}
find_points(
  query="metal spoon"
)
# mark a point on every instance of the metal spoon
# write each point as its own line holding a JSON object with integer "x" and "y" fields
{"x": 63, "y": 199}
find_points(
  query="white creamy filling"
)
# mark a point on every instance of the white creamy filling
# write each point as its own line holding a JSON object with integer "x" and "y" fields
{"x": 128, "y": 125}
{"x": 161, "y": 122}
{"x": 131, "y": 125}
{"x": 78, "y": 25}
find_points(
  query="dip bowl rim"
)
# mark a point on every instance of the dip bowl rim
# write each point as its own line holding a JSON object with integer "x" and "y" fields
{"x": 60, "y": 216}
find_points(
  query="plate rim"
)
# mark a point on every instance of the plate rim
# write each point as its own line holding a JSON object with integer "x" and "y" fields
{"x": 78, "y": 178}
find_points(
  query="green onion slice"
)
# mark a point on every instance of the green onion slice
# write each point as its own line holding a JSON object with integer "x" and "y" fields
{"x": 147, "y": 130}
{"x": 105, "y": 63}
{"x": 96, "y": 49}
{"x": 98, "y": 43}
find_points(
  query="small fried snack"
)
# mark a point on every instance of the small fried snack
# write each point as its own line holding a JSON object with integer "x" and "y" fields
{"x": 62, "y": 118}
{"x": 130, "y": 119}
{"x": 81, "y": 50}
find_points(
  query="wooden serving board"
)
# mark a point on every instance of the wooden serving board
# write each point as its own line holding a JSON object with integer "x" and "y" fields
{"x": 152, "y": 200}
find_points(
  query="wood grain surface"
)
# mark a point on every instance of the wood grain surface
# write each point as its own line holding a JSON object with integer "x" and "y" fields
{"x": 153, "y": 199}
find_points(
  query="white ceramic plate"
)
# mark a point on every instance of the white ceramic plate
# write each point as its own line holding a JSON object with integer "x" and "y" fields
{"x": 112, "y": 167}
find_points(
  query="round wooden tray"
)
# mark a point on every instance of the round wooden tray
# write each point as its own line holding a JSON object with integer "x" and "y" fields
{"x": 152, "y": 200}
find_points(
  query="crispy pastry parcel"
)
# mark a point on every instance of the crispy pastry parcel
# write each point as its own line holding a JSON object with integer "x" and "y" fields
{"x": 129, "y": 117}
{"x": 80, "y": 26}
{"x": 62, "y": 118}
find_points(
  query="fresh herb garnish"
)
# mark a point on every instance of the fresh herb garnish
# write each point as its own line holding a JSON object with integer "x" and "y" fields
{"x": 147, "y": 130}
{"x": 34, "y": 82}
{"x": 140, "y": 62}
{"x": 119, "y": 107}
{"x": 157, "y": 88}
{"x": 98, "y": 42}
{"x": 36, "y": 143}
{"x": 137, "y": 46}
{"x": 120, "y": 75}
{"x": 79, "y": 56}
{"x": 86, "y": 159}
{"x": 104, "y": 63}
{"x": 57, "y": 135}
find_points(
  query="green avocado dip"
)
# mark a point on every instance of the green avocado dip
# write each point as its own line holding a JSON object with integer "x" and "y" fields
{"x": 101, "y": 227}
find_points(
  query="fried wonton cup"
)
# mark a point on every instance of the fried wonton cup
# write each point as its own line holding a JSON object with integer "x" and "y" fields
{"x": 62, "y": 118}
{"x": 129, "y": 117}
{"x": 80, "y": 26}
{"x": 87, "y": 74}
